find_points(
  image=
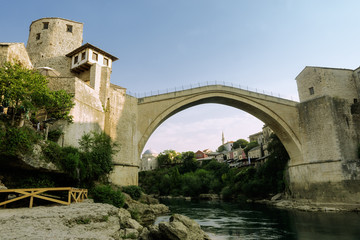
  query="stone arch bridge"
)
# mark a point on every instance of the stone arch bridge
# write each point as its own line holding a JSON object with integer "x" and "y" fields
{"x": 319, "y": 134}
{"x": 279, "y": 114}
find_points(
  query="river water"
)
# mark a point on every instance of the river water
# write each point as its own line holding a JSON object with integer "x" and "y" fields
{"x": 255, "y": 221}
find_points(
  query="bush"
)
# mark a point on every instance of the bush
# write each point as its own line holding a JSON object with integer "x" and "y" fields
{"x": 40, "y": 181}
{"x": 14, "y": 140}
{"x": 54, "y": 135}
{"x": 133, "y": 191}
{"x": 226, "y": 193}
{"x": 105, "y": 194}
{"x": 97, "y": 150}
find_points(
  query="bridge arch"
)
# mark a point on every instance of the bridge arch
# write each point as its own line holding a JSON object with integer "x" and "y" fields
{"x": 279, "y": 114}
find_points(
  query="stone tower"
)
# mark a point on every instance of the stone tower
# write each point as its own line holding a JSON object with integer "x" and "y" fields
{"x": 50, "y": 39}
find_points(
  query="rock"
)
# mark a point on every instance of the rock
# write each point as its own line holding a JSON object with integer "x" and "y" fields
{"x": 179, "y": 228}
{"x": 2, "y": 186}
{"x": 147, "y": 213}
{"x": 277, "y": 197}
{"x": 132, "y": 223}
{"x": 145, "y": 234}
{"x": 147, "y": 199}
{"x": 76, "y": 221}
{"x": 173, "y": 230}
{"x": 210, "y": 197}
{"x": 35, "y": 159}
{"x": 130, "y": 233}
{"x": 124, "y": 215}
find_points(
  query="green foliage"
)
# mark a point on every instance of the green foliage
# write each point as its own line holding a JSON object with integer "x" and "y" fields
{"x": 105, "y": 194}
{"x": 96, "y": 156}
{"x": 250, "y": 146}
{"x": 83, "y": 220}
{"x": 26, "y": 90}
{"x": 168, "y": 158}
{"x": 130, "y": 236}
{"x": 54, "y": 135}
{"x": 227, "y": 193}
{"x": 85, "y": 165}
{"x": 134, "y": 191}
{"x": 240, "y": 143}
{"x": 58, "y": 105}
{"x": 38, "y": 181}
{"x": 190, "y": 164}
{"x": 135, "y": 214}
{"x": 221, "y": 148}
{"x": 215, "y": 177}
{"x": 17, "y": 140}
{"x": 20, "y": 86}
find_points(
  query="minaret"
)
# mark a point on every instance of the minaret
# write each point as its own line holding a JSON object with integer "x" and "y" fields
{"x": 223, "y": 139}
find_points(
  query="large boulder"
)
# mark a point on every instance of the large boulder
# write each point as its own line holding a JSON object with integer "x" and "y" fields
{"x": 145, "y": 213}
{"x": 179, "y": 227}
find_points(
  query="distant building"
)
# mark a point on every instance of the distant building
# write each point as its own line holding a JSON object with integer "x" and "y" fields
{"x": 229, "y": 145}
{"x": 149, "y": 160}
{"x": 200, "y": 154}
{"x": 263, "y": 139}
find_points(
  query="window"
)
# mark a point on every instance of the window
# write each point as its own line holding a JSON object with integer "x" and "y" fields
{"x": 106, "y": 62}
{"x": 69, "y": 28}
{"x": 76, "y": 59}
{"x": 45, "y": 25}
{"x": 311, "y": 90}
{"x": 83, "y": 55}
{"x": 355, "y": 100}
{"x": 94, "y": 56}
{"x": 37, "y": 36}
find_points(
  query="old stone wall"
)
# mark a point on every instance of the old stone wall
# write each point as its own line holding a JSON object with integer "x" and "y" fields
{"x": 120, "y": 125}
{"x": 47, "y": 47}
{"x": 88, "y": 113}
{"x": 332, "y": 82}
{"x": 14, "y": 53}
{"x": 329, "y": 139}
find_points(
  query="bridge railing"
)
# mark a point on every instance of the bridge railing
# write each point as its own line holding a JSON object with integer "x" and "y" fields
{"x": 208, "y": 83}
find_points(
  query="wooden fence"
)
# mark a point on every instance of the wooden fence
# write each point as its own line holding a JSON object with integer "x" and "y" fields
{"x": 73, "y": 195}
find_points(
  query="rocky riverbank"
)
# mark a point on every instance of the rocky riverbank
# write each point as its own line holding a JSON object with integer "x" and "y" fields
{"x": 282, "y": 201}
{"x": 90, "y": 220}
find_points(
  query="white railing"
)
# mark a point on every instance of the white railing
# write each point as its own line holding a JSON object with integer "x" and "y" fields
{"x": 204, "y": 84}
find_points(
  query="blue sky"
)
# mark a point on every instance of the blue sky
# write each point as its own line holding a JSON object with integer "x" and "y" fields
{"x": 165, "y": 44}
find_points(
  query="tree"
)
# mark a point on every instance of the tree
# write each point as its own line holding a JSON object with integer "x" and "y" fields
{"x": 21, "y": 88}
{"x": 168, "y": 157}
{"x": 221, "y": 148}
{"x": 240, "y": 143}
{"x": 190, "y": 164}
{"x": 250, "y": 146}
{"x": 26, "y": 90}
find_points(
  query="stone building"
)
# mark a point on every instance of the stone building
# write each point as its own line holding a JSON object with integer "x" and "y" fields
{"x": 55, "y": 44}
{"x": 149, "y": 160}
{"x": 262, "y": 138}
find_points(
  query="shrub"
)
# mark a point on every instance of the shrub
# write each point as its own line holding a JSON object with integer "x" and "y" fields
{"x": 53, "y": 152}
{"x": 97, "y": 150}
{"x": 105, "y": 194}
{"x": 226, "y": 193}
{"x": 133, "y": 191}
{"x": 14, "y": 140}
{"x": 40, "y": 181}
{"x": 54, "y": 135}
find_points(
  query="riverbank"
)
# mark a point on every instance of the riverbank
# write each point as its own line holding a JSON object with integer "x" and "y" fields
{"x": 90, "y": 220}
{"x": 283, "y": 202}
{"x": 309, "y": 206}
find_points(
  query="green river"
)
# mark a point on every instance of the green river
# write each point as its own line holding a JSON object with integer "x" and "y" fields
{"x": 253, "y": 221}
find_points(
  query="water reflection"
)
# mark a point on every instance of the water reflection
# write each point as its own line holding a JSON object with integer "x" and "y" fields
{"x": 251, "y": 221}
